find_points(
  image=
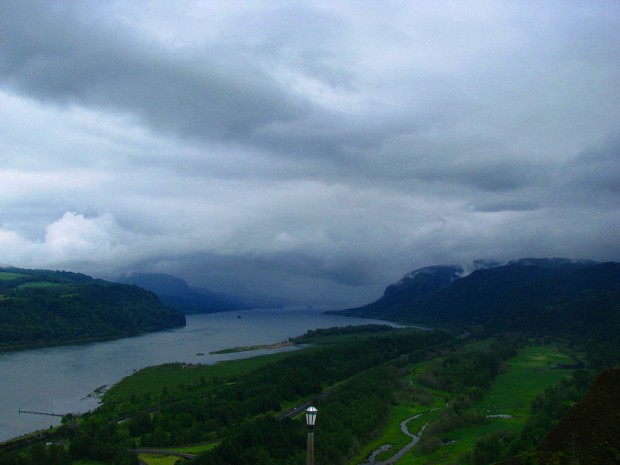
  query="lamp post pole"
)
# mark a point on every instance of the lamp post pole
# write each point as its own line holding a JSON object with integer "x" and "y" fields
{"x": 310, "y": 421}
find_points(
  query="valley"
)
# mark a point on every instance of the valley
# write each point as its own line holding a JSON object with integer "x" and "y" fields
{"x": 471, "y": 392}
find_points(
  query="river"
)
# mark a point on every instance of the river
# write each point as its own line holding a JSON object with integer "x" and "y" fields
{"x": 60, "y": 379}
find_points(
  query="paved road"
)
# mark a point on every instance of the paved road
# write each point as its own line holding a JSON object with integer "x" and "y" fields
{"x": 415, "y": 438}
{"x": 296, "y": 411}
{"x": 143, "y": 450}
{"x": 302, "y": 408}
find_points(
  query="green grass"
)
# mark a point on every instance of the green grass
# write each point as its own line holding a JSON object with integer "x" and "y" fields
{"x": 511, "y": 394}
{"x": 152, "y": 459}
{"x": 195, "y": 448}
{"x": 87, "y": 462}
{"x": 8, "y": 276}
{"x": 152, "y": 380}
{"x": 460, "y": 441}
{"x": 235, "y": 350}
{"x": 393, "y": 434}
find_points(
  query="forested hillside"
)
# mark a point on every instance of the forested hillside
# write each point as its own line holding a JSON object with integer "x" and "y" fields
{"x": 541, "y": 297}
{"x": 588, "y": 433}
{"x": 40, "y": 307}
{"x": 590, "y": 430}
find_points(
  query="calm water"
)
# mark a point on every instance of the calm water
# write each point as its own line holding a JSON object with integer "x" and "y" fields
{"x": 59, "y": 379}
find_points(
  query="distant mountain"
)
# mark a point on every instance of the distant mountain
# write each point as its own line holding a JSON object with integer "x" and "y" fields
{"x": 411, "y": 292}
{"x": 41, "y": 307}
{"x": 176, "y": 293}
{"x": 545, "y": 296}
{"x": 588, "y": 434}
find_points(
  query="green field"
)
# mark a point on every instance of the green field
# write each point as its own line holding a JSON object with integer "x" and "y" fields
{"x": 152, "y": 380}
{"x": 393, "y": 434}
{"x": 511, "y": 394}
{"x": 195, "y": 448}
{"x": 152, "y": 459}
{"x": 528, "y": 376}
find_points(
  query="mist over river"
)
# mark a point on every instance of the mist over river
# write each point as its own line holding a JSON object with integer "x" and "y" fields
{"x": 60, "y": 379}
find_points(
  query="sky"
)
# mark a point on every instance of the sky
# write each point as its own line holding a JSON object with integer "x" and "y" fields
{"x": 314, "y": 150}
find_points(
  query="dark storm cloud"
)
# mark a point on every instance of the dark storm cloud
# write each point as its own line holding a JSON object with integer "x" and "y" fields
{"x": 318, "y": 150}
{"x": 492, "y": 175}
{"x": 298, "y": 278}
{"x": 348, "y": 271}
{"x": 597, "y": 170}
{"x": 499, "y": 206}
{"x": 56, "y": 56}
{"x": 56, "y": 53}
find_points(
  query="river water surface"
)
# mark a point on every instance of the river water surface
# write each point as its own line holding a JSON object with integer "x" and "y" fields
{"x": 60, "y": 379}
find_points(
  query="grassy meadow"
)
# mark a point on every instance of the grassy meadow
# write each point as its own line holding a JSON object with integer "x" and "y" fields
{"x": 152, "y": 459}
{"x": 511, "y": 394}
{"x": 195, "y": 448}
{"x": 157, "y": 459}
{"x": 152, "y": 380}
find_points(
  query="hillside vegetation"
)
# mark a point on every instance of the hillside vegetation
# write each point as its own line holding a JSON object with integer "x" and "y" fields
{"x": 39, "y": 307}
{"x": 588, "y": 433}
{"x": 508, "y": 384}
{"x": 470, "y": 398}
{"x": 535, "y": 296}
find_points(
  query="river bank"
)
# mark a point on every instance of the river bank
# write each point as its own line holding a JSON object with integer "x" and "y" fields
{"x": 71, "y": 342}
{"x": 59, "y": 378}
{"x": 278, "y": 345}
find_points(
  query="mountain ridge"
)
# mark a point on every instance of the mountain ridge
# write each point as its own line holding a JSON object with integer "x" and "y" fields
{"x": 176, "y": 293}
{"x": 543, "y": 296}
{"x": 44, "y": 307}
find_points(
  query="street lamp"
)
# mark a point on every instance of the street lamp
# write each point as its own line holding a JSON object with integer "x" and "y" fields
{"x": 310, "y": 421}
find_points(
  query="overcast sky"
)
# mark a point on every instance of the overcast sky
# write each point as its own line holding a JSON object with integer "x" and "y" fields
{"x": 315, "y": 149}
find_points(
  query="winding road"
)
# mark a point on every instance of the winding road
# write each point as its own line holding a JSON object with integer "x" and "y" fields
{"x": 415, "y": 438}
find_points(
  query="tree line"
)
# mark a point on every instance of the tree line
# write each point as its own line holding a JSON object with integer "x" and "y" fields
{"x": 245, "y": 410}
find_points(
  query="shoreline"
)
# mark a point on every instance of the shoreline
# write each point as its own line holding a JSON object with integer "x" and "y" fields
{"x": 233, "y": 350}
{"x": 78, "y": 341}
